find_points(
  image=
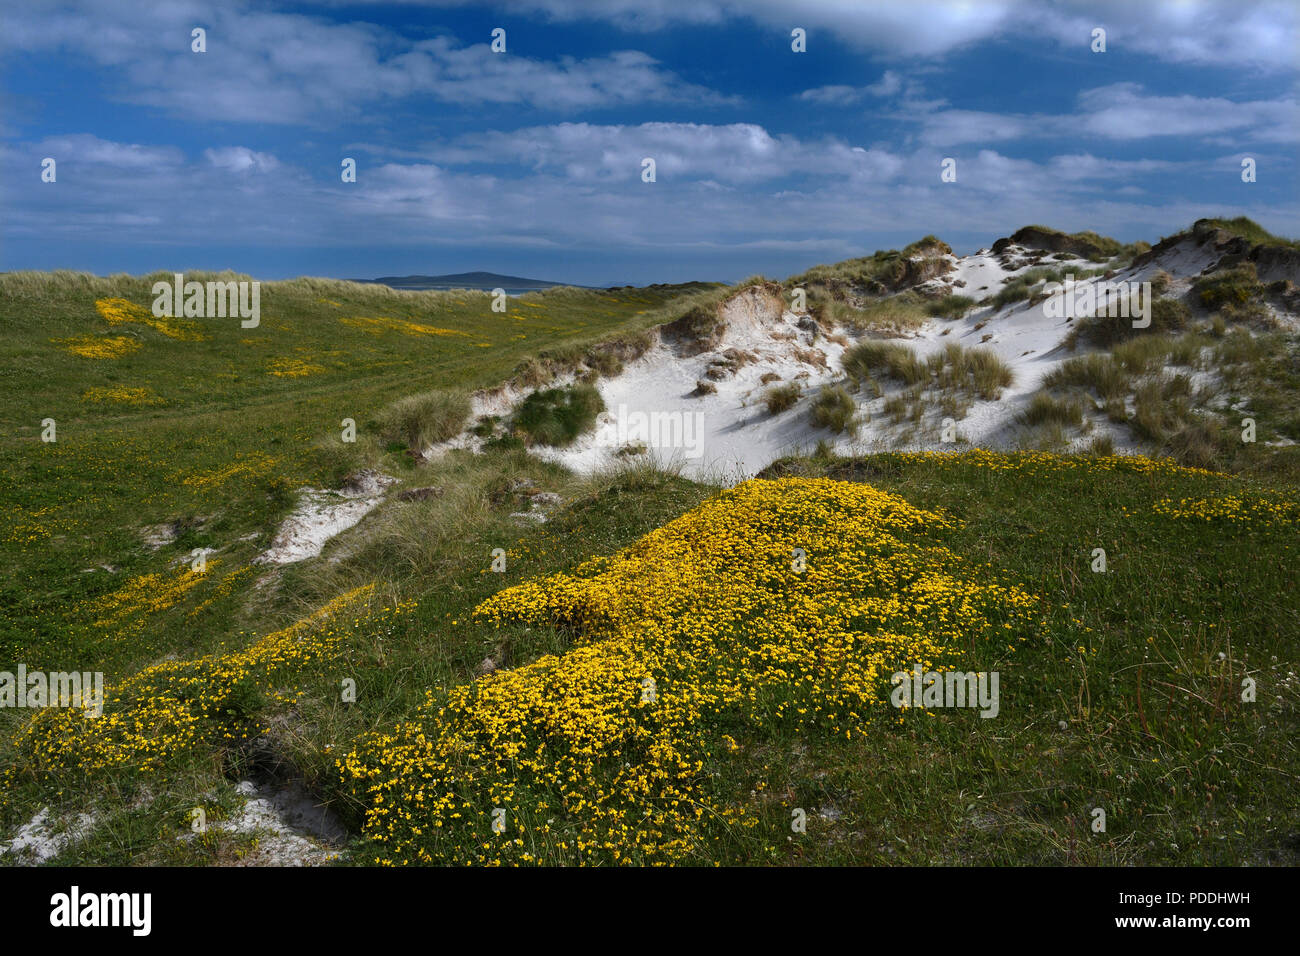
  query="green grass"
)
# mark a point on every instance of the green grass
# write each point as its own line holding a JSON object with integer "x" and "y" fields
{"x": 893, "y": 315}
{"x": 1131, "y": 667}
{"x": 227, "y": 441}
{"x": 872, "y": 359}
{"x": 835, "y": 409}
{"x": 954, "y": 376}
{"x": 1106, "y": 246}
{"x": 950, "y": 306}
{"x": 1154, "y": 730}
{"x": 1098, "y": 372}
{"x": 556, "y": 416}
{"x": 1168, "y": 316}
{"x": 873, "y": 275}
{"x": 1256, "y": 377}
{"x": 424, "y": 419}
{"x": 977, "y": 372}
{"x": 1264, "y": 370}
{"x": 780, "y": 398}
{"x": 1236, "y": 285}
{"x": 1026, "y": 285}
{"x": 1043, "y": 409}
{"x": 1248, "y": 229}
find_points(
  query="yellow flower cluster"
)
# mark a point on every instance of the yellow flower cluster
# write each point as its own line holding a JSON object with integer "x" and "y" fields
{"x": 177, "y": 706}
{"x": 293, "y": 368}
{"x": 383, "y": 323}
{"x": 251, "y": 464}
{"x": 25, "y": 527}
{"x": 1043, "y": 462}
{"x": 774, "y": 605}
{"x": 224, "y": 589}
{"x": 121, "y": 395}
{"x": 99, "y": 346}
{"x": 1231, "y": 508}
{"x": 124, "y": 311}
{"x": 127, "y": 608}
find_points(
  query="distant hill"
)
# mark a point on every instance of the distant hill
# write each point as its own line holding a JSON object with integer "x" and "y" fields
{"x": 465, "y": 280}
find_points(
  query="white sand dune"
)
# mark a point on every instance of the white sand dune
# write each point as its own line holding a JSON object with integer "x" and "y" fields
{"x": 729, "y": 434}
{"x": 736, "y": 437}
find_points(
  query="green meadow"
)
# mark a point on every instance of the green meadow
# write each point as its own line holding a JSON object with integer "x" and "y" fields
{"x": 213, "y": 426}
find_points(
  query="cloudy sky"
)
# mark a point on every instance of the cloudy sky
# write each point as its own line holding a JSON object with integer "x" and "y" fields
{"x": 529, "y": 161}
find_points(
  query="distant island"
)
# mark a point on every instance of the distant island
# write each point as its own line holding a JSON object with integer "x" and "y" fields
{"x": 466, "y": 280}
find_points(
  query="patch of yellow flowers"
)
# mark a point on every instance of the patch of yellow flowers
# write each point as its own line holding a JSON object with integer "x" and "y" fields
{"x": 780, "y": 604}
{"x": 1234, "y": 509}
{"x": 293, "y": 368}
{"x": 124, "y": 311}
{"x": 249, "y": 465}
{"x": 127, "y": 608}
{"x": 100, "y": 346}
{"x": 1043, "y": 462}
{"x": 377, "y": 325}
{"x": 178, "y": 706}
{"x": 121, "y": 395}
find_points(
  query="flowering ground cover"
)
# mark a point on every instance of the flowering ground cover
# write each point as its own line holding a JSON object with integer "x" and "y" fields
{"x": 775, "y": 604}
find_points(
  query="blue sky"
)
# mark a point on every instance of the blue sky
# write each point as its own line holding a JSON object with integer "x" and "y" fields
{"x": 529, "y": 161}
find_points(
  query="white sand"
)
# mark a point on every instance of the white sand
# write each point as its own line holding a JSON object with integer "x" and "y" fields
{"x": 321, "y": 515}
{"x": 730, "y": 435}
{"x": 41, "y": 839}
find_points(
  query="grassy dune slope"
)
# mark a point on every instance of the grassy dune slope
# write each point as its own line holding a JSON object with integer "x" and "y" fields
{"x": 652, "y": 677}
{"x": 212, "y": 426}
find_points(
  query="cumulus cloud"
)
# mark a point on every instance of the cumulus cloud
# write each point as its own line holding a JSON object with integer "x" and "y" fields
{"x": 888, "y": 84}
{"x": 289, "y": 68}
{"x": 1120, "y": 111}
{"x": 240, "y": 159}
{"x": 735, "y": 153}
{"x": 568, "y": 184}
{"x": 1125, "y": 111}
{"x": 85, "y": 148}
{"x": 1256, "y": 34}
{"x": 1238, "y": 34}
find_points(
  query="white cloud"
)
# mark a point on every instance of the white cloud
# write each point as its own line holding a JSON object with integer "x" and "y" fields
{"x": 1121, "y": 111}
{"x": 889, "y": 84}
{"x": 84, "y": 148}
{"x": 836, "y": 94}
{"x": 240, "y": 159}
{"x": 568, "y": 193}
{"x": 1124, "y": 111}
{"x": 1227, "y": 33}
{"x": 269, "y": 67}
{"x": 727, "y": 154}
{"x": 1236, "y": 34}
{"x": 570, "y": 185}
